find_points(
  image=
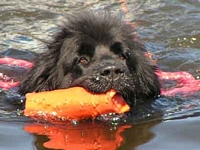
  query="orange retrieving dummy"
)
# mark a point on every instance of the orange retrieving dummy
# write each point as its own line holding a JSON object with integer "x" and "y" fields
{"x": 73, "y": 103}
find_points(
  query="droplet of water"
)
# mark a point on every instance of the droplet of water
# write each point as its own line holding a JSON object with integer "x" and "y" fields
{"x": 19, "y": 112}
{"x": 66, "y": 102}
{"x": 81, "y": 103}
{"x": 96, "y": 145}
{"x": 63, "y": 119}
{"x": 74, "y": 122}
{"x": 94, "y": 104}
{"x": 54, "y": 113}
{"x": 194, "y": 39}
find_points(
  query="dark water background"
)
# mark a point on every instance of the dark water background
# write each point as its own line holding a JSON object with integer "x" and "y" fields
{"x": 170, "y": 30}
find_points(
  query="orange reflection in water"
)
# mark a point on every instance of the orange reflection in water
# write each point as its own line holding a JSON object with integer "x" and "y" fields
{"x": 86, "y": 136}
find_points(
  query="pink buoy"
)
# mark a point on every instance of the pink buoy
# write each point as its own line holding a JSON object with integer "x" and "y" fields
{"x": 16, "y": 62}
{"x": 185, "y": 82}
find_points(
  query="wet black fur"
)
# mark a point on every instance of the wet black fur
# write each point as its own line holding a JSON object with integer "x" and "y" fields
{"x": 85, "y": 45}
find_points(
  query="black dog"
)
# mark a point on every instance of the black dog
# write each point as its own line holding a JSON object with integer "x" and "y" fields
{"x": 97, "y": 52}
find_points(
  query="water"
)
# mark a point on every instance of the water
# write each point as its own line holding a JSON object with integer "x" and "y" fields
{"x": 169, "y": 29}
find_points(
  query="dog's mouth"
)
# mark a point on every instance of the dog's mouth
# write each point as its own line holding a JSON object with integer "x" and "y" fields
{"x": 95, "y": 85}
{"x": 100, "y": 86}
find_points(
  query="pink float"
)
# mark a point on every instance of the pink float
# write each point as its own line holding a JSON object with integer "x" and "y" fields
{"x": 185, "y": 82}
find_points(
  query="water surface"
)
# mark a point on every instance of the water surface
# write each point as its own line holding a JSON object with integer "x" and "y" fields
{"x": 169, "y": 29}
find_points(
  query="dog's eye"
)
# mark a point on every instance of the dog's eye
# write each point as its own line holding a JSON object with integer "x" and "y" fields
{"x": 116, "y": 48}
{"x": 83, "y": 60}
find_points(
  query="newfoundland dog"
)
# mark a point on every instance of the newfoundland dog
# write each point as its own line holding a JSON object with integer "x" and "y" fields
{"x": 98, "y": 52}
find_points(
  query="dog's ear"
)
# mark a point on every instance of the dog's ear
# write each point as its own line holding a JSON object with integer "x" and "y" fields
{"x": 144, "y": 71}
{"x": 44, "y": 74}
{"x": 141, "y": 66}
{"x": 48, "y": 71}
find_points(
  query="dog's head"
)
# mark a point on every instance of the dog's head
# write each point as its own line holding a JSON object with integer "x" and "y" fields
{"x": 98, "y": 52}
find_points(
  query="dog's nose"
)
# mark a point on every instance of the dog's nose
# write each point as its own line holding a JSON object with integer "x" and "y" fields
{"x": 112, "y": 71}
